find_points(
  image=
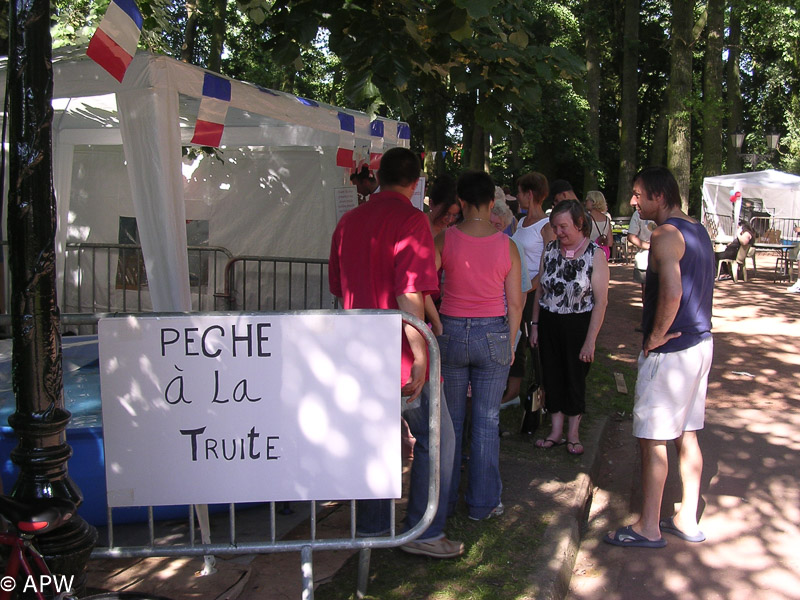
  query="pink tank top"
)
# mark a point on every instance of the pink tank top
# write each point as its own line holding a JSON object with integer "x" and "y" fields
{"x": 475, "y": 271}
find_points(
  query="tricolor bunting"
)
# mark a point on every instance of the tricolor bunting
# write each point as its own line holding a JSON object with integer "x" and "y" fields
{"x": 114, "y": 42}
{"x": 213, "y": 108}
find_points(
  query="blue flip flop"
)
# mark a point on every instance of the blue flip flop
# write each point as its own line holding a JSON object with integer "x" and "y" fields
{"x": 668, "y": 526}
{"x": 628, "y": 538}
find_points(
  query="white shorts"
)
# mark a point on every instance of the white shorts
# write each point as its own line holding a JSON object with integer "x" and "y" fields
{"x": 670, "y": 393}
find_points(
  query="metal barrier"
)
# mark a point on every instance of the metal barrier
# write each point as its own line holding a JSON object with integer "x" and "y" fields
{"x": 276, "y": 283}
{"x": 111, "y": 278}
{"x": 784, "y": 226}
{"x": 108, "y": 278}
{"x": 178, "y": 544}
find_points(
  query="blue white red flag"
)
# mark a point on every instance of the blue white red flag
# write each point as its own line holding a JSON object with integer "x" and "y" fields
{"x": 213, "y": 108}
{"x": 114, "y": 42}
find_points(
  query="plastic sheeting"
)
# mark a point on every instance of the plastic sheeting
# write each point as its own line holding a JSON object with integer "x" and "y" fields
{"x": 780, "y": 193}
{"x": 271, "y": 194}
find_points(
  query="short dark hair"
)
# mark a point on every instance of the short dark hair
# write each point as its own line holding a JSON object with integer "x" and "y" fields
{"x": 558, "y": 186}
{"x": 577, "y": 212}
{"x": 399, "y": 166}
{"x": 476, "y": 188}
{"x": 536, "y": 183}
{"x": 443, "y": 192}
{"x": 659, "y": 181}
{"x": 362, "y": 175}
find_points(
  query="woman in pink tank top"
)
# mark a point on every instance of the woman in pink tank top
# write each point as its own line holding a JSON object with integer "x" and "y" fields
{"x": 481, "y": 306}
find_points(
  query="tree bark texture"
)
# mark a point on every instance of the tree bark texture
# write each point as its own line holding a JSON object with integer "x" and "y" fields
{"x": 628, "y": 133}
{"x": 592, "y": 97}
{"x": 733, "y": 85}
{"x": 712, "y": 90}
{"x": 190, "y": 31}
{"x": 679, "y": 150}
{"x": 217, "y": 35}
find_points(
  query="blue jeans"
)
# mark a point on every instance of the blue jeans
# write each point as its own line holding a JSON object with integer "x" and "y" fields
{"x": 372, "y": 516}
{"x": 476, "y": 351}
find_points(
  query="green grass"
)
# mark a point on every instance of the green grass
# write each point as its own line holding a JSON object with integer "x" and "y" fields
{"x": 498, "y": 562}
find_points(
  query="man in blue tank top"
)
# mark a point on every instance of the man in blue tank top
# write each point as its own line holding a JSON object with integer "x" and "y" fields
{"x": 675, "y": 359}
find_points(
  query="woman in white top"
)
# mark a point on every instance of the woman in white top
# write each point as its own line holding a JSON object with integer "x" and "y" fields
{"x": 532, "y": 233}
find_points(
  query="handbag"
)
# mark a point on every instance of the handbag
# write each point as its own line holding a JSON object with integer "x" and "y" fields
{"x": 602, "y": 239}
{"x": 533, "y": 404}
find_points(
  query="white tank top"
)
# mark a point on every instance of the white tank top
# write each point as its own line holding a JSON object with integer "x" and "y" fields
{"x": 530, "y": 238}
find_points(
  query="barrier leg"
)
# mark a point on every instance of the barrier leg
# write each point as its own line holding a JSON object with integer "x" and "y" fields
{"x": 363, "y": 572}
{"x": 307, "y": 568}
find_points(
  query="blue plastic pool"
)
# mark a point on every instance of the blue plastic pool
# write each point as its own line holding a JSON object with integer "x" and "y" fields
{"x": 84, "y": 432}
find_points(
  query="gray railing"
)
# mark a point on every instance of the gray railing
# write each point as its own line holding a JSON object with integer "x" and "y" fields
{"x": 785, "y": 226}
{"x": 104, "y": 278}
{"x": 276, "y": 283}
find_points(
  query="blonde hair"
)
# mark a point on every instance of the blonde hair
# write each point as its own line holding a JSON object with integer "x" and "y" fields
{"x": 598, "y": 200}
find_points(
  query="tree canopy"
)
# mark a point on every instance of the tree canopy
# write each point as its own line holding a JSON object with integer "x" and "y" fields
{"x": 515, "y": 86}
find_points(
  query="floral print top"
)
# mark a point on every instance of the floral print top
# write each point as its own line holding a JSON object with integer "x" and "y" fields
{"x": 567, "y": 282}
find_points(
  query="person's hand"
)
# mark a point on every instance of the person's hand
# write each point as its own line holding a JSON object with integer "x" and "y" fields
{"x": 658, "y": 341}
{"x": 413, "y": 387}
{"x": 586, "y": 353}
{"x": 436, "y": 328}
{"x": 513, "y": 353}
{"x": 533, "y": 336}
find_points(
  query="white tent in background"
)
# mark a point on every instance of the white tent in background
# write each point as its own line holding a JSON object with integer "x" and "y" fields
{"x": 117, "y": 155}
{"x": 778, "y": 192}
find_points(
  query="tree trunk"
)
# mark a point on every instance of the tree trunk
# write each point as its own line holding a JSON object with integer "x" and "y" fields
{"x": 515, "y": 144}
{"x": 712, "y": 90}
{"x": 468, "y": 131}
{"x": 592, "y": 95}
{"x": 628, "y": 133}
{"x": 217, "y": 35}
{"x": 434, "y": 121}
{"x": 679, "y": 150}
{"x": 190, "y": 33}
{"x": 733, "y": 81}
{"x": 658, "y": 151}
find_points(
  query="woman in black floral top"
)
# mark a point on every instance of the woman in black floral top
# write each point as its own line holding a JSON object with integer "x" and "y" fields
{"x": 568, "y": 311}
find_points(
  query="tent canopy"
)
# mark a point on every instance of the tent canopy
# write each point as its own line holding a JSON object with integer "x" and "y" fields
{"x": 118, "y": 153}
{"x": 779, "y": 194}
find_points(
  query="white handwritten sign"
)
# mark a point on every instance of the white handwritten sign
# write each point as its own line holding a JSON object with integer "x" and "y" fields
{"x": 250, "y": 408}
{"x": 345, "y": 198}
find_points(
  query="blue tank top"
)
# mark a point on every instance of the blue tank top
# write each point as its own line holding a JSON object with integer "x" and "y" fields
{"x": 693, "y": 319}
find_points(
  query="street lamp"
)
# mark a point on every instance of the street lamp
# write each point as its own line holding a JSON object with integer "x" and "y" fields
{"x": 772, "y": 138}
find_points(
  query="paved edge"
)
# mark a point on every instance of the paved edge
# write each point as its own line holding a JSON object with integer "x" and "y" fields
{"x": 555, "y": 559}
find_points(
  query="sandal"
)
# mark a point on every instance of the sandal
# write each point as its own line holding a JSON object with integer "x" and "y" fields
{"x": 575, "y": 448}
{"x": 547, "y": 443}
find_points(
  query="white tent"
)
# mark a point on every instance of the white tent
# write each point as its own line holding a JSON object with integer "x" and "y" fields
{"x": 779, "y": 194}
{"x": 117, "y": 153}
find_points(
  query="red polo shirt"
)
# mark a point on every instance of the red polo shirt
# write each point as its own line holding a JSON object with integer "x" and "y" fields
{"x": 380, "y": 250}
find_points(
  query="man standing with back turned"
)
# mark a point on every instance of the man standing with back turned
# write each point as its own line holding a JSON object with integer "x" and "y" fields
{"x": 675, "y": 360}
{"x": 382, "y": 256}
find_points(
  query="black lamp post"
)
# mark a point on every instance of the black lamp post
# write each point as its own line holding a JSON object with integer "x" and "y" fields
{"x": 772, "y": 138}
{"x": 40, "y": 419}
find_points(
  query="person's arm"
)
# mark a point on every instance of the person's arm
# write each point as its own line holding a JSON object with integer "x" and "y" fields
{"x": 432, "y": 316}
{"x": 600, "y": 276}
{"x": 745, "y": 238}
{"x": 547, "y": 237}
{"x": 513, "y": 288}
{"x": 666, "y": 250}
{"x": 533, "y": 334}
{"x": 414, "y": 304}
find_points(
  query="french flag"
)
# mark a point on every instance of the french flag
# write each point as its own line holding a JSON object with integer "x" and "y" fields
{"x": 213, "y": 108}
{"x": 114, "y": 42}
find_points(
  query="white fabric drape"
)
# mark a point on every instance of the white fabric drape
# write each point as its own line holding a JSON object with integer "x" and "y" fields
{"x": 152, "y": 143}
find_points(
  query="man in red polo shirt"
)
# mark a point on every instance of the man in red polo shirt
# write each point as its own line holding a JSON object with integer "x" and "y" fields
{"x": 382, "y": 256}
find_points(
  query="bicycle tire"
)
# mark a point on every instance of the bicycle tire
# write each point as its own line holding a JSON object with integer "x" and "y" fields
{"x": 124, "y": 596}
